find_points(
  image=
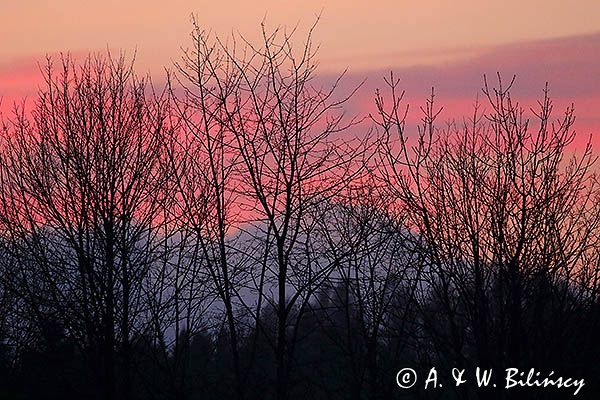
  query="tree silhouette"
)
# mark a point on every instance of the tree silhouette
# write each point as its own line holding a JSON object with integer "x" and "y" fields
{"x": 235, "y": 235}
{"x": 80, "y": 208}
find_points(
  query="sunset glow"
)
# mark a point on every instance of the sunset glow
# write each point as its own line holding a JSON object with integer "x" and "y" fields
{"x": 449, "y": 45}
{"x": 299, "y": 200}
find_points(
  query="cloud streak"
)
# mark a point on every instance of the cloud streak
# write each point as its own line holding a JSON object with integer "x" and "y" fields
{"x": 569, "y": 64}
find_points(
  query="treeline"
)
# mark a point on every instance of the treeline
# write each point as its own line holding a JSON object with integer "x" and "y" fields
{"x": 235, "y": 235}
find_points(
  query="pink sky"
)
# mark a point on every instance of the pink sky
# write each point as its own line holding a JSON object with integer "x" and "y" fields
{"x": 446, "y": 44}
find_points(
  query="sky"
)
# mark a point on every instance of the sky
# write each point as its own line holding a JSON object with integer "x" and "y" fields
{"x": 447, "y": 44}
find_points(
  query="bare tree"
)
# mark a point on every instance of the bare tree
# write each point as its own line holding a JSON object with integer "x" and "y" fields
{"x": 79, "y": 206}
{"x": 266, "y": 138}
{"x": 504, "y": 214}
